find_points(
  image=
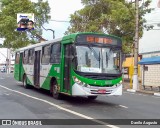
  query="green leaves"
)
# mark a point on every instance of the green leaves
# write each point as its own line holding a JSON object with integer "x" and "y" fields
{"x": 8, "y": 20}
{"x": 107, "y": 16}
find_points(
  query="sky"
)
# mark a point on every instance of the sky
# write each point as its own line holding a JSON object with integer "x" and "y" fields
{"x": 3, "y": 55}
{"x": 60, "y": 10}
{"x": 151, "y": 39}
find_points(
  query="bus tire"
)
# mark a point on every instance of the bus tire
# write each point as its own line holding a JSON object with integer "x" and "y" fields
{"x": 54, "y": 90}
{"x": 92, "y": 97}
{"x": 25, "y": 85}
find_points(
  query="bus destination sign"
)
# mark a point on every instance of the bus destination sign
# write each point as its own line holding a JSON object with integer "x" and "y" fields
{"x": 97, "y": 39}
{"x": 104, "y": 40}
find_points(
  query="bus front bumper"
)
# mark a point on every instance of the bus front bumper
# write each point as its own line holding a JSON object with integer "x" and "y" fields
{"x": 78, "y": 90}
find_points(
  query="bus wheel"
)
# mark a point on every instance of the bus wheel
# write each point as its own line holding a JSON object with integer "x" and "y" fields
{"x": 92, "y": 97}
{"x": 55, "y": 92}
{"x": 25, "y": 85}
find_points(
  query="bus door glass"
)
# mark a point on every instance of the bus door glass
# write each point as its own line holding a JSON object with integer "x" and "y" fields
{"x": 20, "y": 66}
{"x": 37, "y": 68}
{"x": 17, "y": 67}
{"x": 67, "y": 66}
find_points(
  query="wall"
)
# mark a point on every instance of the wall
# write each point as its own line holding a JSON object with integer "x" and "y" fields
{"x": 151, "y": 73}
{"x": 151, "y": 76}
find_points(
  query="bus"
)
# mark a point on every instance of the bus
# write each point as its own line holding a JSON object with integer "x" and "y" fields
{"x": 80, "y": 64}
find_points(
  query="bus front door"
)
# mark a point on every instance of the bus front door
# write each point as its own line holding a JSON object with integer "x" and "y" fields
{"x": 37, "y": 69}
{"x": 20, "y": 68}
{"x": 67, "y": 66}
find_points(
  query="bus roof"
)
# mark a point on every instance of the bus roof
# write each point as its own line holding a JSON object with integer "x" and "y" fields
{"x": 39, "y": 44}
{"x": 71, "y": 36}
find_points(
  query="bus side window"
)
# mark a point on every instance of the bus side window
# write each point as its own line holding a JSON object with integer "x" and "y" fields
{"x": 31, "y": 56}
{"x": 25, "y": 57}
{"x": 55, "y": 53}
{"x": 45, "y": 54}
{"x": 17, "y": 58}
{"x": 116, "y": 60}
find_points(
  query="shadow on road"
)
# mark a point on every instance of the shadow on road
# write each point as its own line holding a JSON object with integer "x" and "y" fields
{"x": 75, "y": 101}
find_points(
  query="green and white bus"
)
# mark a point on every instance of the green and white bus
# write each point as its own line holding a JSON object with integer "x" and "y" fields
{"x": 79, "y": 64}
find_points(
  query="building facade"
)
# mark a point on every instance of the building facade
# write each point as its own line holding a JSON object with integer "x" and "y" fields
{"x": 4, "y": 63}
{"x": 149, "y": 48}
{"x": 150, "y": 69}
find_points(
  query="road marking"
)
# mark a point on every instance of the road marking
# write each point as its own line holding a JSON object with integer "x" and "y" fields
{"x": 62, "y": 108}
{"x": 7, "y": 94}
{"x": 123, "y": 106}
{"x": 19, "y": 82}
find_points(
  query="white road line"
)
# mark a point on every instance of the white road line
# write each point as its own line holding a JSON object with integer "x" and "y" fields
{"x": 62, "y": 108}
{"x": 7, "y": 94}
{"x": 123, "y": 106}
{"x": 19, "y": 82}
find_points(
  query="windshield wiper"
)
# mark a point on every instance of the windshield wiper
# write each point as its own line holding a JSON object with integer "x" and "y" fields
{"x": 95, "y": 53}
{"x": 107, "y": 60}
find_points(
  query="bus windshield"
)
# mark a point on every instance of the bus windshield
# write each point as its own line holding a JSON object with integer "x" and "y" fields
{"x": 98, "y": 59}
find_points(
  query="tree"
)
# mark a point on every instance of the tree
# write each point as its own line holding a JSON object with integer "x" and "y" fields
{"x": 108, "y": 16}
{"x": 8, "y": 23}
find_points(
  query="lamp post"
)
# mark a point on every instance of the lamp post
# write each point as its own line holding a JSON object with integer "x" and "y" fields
{"x": 136, "y": 42}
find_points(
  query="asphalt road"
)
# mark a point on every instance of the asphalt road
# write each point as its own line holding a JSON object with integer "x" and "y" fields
{"x": 19, "y": 103}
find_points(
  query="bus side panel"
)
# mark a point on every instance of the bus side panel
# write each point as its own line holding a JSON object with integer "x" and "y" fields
{"x": 28, "y": 71}
{"x": 54, "y": 71}
{"x": 18, "y": 69}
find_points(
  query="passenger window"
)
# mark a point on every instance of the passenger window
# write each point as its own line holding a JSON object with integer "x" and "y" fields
{"x": 55, "y": 53}
{"x": 31, "y": 56}
{"x": 25, "y": 58}
{"x": 17, "y": 58}
{"x": 46, "y": 54}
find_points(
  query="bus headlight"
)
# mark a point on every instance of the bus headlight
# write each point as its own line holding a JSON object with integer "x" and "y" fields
{"x": 118, "y": 84}
{"x": 76, "y": 80}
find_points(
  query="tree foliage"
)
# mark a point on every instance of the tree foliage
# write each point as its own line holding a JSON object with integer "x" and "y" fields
{"x": 107, "y": 16}
{"x": 8, "y": 23}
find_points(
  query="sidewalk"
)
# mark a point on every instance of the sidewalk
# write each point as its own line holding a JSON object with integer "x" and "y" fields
{"x": 147, "y": 90}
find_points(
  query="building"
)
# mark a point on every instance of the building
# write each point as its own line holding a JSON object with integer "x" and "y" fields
{"x": 149, "y": 48}
{"x": 128, "y": 67}
{"x": 3, "y": 59}
{"x": 150, "y": 68}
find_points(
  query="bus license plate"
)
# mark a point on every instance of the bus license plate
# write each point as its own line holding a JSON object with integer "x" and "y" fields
{"x": 101, "y": 91}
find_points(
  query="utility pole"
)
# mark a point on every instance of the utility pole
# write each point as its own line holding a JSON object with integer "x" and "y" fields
{"x": 136, "y": 42}
{"x": 8, "y": 61}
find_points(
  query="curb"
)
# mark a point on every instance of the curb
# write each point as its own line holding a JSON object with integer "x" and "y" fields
{"x": 131, "y": 90}
{"x": 144, "y": 92}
